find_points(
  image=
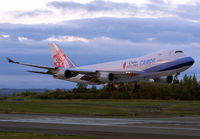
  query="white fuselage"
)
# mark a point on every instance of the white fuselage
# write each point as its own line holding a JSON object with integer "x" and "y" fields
{"x": 151, "y": 66}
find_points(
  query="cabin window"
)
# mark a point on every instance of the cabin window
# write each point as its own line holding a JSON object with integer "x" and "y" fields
{"x": 179, "y": 51}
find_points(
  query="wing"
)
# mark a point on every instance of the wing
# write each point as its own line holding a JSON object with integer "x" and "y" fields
{"x": 50, "y": 69}
{"x": 95, "y": 72}
{"x": 94, "y": 75}
{"x": 30, "y": 65}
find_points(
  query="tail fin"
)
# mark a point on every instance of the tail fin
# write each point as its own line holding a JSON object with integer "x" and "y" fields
{"x": 59, "y": 58}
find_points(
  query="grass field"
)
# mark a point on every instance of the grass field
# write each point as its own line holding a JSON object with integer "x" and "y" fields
{"x": 22, "y": 135}
{"x": 127, "y": 108}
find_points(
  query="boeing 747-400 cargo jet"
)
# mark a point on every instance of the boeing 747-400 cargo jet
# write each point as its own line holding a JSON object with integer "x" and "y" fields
{"x": 162, "y": 67}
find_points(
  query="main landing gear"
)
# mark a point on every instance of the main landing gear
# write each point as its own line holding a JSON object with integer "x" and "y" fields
{"x": 176, "y": 81}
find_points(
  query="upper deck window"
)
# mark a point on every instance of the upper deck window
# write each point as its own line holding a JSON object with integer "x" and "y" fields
{"x": 179, "y": 51}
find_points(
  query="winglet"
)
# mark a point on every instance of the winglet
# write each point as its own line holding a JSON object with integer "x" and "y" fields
{"x": 9, "y": 60}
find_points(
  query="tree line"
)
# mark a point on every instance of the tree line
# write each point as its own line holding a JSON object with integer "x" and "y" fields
{"x": 187, "y": 89}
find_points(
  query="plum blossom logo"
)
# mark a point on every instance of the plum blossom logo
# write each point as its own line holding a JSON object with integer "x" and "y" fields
{"x": 124, "y": 65}
{"x": 59, "y": 59}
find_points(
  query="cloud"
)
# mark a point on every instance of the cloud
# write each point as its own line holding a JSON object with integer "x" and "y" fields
{"x": 152, "y": 9}
{"x": 32, "y": 13}
{"x": 5, "y": 36}
{"x": 189, "y": 11}
{"x": 151, "y": 39}
{"x": 162, "y": 30}
{"x": 22, "y": 38}
{"x": 94, "y": 6}
{"x": 101, "y": 8}
{"x": 66, "y": 39}
{"x": 59, "y": 11}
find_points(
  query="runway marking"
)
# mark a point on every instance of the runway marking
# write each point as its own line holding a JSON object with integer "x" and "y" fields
{"x": 109, "y": 122}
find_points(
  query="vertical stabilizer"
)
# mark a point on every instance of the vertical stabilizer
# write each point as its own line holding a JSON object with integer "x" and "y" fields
{"x": 59, "y": 58}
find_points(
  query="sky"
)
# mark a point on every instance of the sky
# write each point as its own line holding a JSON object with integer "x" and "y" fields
{"x": 92, "y": 31}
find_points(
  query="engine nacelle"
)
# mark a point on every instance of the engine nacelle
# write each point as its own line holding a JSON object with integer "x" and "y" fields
{"x": 64, "y": 74}
{"x": 165, "y": 79}
{"x": 69, "y": 74}
{"x": 106, "y": 76}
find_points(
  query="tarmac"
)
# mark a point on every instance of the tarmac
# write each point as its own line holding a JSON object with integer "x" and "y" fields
{"x": 105, "y": 127}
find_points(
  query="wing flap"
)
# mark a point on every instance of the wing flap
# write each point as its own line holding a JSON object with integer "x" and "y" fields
{"x": 86, "y": 72}
{"x": 87, "y": 78}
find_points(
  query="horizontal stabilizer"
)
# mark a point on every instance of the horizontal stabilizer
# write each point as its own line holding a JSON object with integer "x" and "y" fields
{"x": 40, "y": 72}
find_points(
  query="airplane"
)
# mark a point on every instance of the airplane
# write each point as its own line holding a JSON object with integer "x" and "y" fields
{"x": 163, "y": 66}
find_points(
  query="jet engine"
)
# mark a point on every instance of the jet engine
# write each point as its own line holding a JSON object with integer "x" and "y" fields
{"x": 106, "y": 76}
{"x": 166, "y": 79}
{"x": 69, "y": 74}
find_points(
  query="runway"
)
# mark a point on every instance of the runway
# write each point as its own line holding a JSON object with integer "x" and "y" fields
{"x": 114, "y": 128}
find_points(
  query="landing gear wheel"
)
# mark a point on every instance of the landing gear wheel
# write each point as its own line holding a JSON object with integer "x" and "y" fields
{"x": 176, "y": 81}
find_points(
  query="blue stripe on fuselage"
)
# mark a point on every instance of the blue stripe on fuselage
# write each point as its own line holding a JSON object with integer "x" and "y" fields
{"x": 179, "y": 63}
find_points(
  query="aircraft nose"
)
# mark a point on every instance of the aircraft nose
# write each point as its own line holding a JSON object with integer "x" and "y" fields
{"x": 191, "y": 60}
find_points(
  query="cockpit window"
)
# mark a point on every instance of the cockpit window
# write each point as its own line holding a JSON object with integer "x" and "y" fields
{"x": 179, "y": 51}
